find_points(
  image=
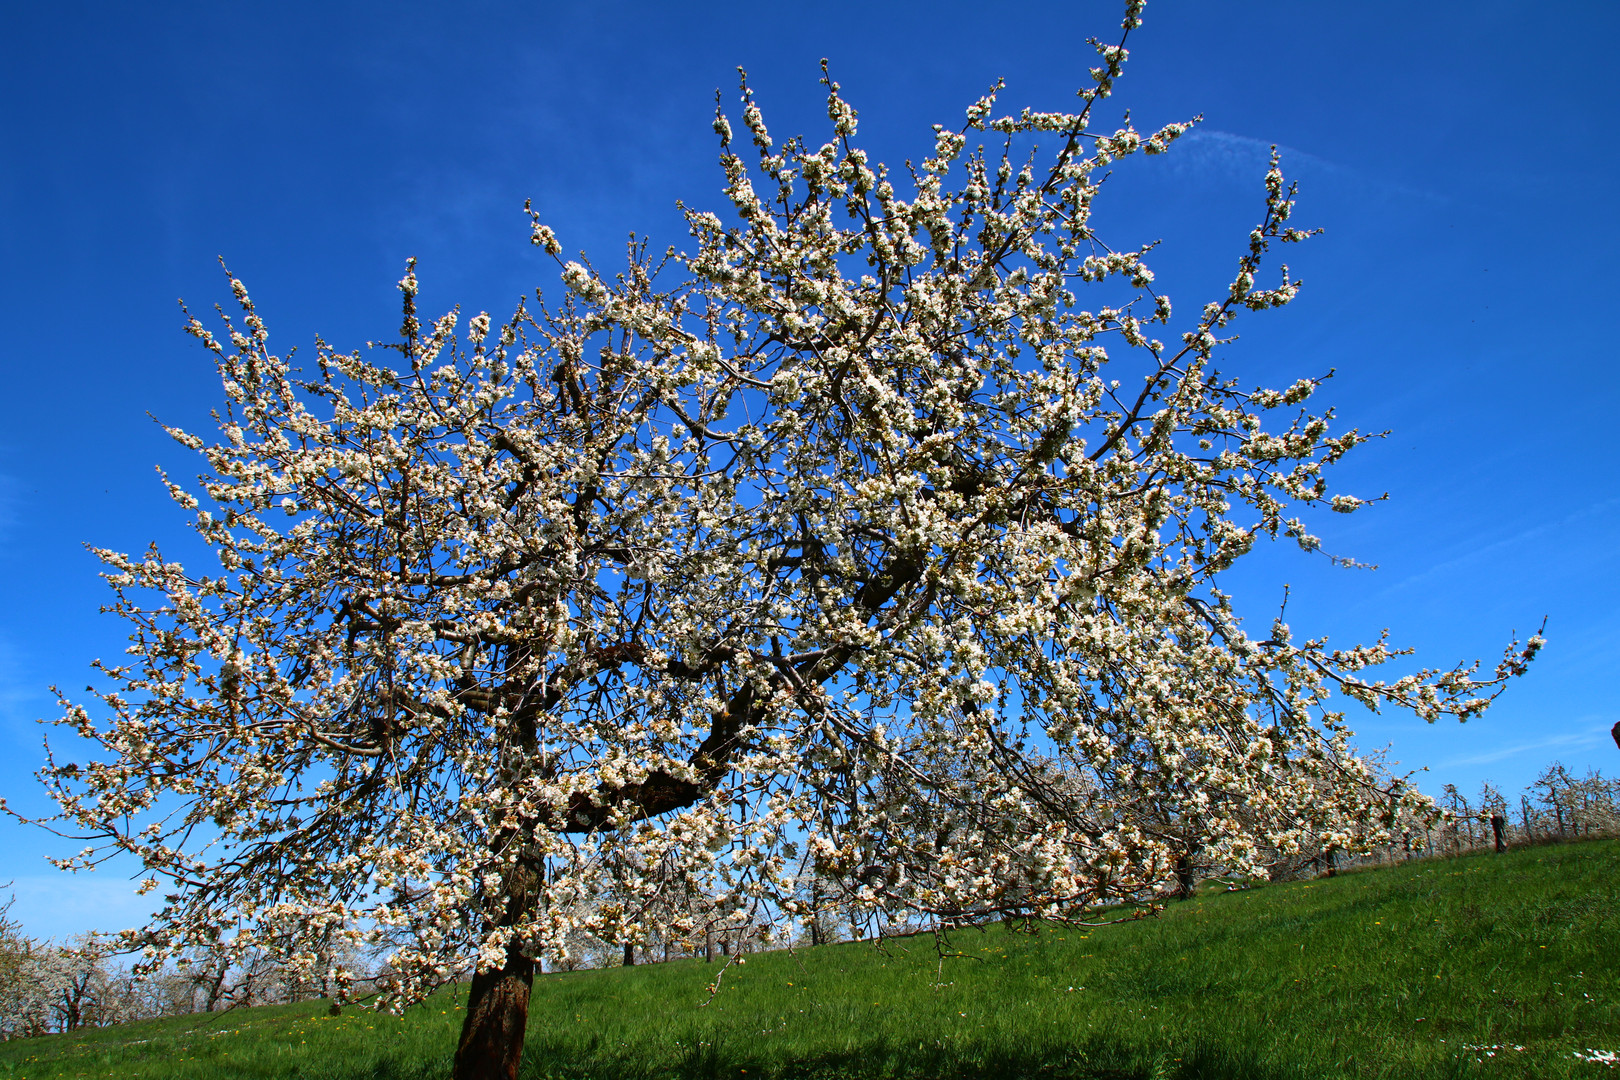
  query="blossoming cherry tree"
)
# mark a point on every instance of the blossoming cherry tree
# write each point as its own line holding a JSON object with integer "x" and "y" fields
{"x": 883, "y": 530}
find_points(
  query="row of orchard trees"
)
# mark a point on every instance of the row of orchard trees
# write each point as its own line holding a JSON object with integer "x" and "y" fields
{"x": 1558, "y": 805}
{"x": 87, "y": 981}
{"x": 47, "y": 987}
{"x": 826, "y": 908}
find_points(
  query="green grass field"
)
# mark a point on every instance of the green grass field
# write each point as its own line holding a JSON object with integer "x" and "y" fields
{"x": 1484, "y": 966}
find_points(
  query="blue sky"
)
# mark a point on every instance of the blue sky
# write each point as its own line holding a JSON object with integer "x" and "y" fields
{"x": 1461, "y": 157}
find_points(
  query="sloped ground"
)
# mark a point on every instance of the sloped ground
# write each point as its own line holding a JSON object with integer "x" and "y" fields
{"x": 1482, "y": 966}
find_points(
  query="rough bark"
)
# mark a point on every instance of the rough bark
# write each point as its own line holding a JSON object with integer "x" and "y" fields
{"x": 491, "y": 1045}
{"x": 1186, "y": 877}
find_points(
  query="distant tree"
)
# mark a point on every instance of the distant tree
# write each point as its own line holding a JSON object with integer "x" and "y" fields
{"x": 1555, "y": 789}
{"x": 46, "y": 986}
{"x": 79, "y": 975}
{"x": 815, "y": 909}
{"x": 889, "y": 497}
{"x": 64, "y": 987}
{"x": 24, "y": 992}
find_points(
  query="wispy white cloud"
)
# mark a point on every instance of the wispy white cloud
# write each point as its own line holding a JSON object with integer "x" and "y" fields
{"x": 1574, "y": 741}
{"x": 1238, "y": 155}
{"x": 1209, "y": 153}
{"x": 1513, "y": 540}
{"x": 21, "y": 698}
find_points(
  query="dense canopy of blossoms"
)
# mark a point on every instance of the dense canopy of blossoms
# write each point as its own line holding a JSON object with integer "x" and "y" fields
{"x": 883, "y": 530}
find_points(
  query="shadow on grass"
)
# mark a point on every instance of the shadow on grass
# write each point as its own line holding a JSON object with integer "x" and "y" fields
{"x": 436, "y": 1068}
{"x": 1097, "y": 1058}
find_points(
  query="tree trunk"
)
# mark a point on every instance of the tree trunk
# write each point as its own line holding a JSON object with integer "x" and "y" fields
{"x": 815, "y": 912}
{"x": 497, "y": 1013}
{"x": 1186, "y": 881}
{"x": 629, "y": 955}
{"x": 215, "y": 989}
{"x": 1499, "y": 829}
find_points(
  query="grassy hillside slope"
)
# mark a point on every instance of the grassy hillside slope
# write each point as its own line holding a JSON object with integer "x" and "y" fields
{"x": 1489, "y": 966}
